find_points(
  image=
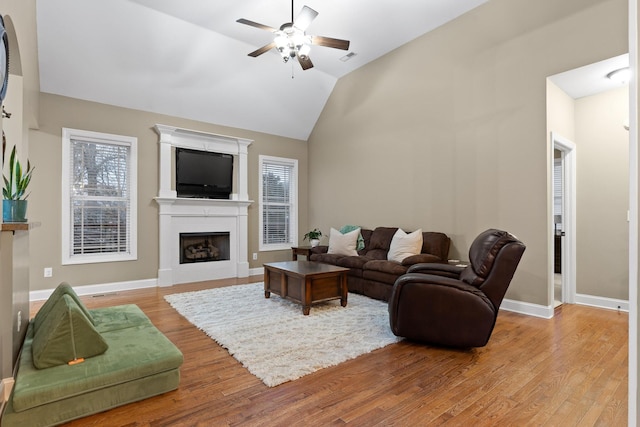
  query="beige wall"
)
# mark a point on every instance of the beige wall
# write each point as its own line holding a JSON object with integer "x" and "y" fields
{"x": 448, "y": 133}
{"x": 602, "y": 194}
{"x": 561, "y": 112}
{"x": 58, "y": 112}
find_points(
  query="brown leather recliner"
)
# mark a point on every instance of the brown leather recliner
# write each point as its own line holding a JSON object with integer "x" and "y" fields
{"x": 456, "y": 306}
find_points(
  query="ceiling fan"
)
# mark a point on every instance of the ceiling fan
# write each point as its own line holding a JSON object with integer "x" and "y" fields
{"x": 291, "y": 41}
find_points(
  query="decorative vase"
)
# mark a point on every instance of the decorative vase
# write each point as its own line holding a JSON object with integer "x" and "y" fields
{"x": 315, "y": 242}
{"x": 14, "y": 211}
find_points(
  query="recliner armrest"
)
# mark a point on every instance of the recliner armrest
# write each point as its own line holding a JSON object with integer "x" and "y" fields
{"x": 437, "y": 269}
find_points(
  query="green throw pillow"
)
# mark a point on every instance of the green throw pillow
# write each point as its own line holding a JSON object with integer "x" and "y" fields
{"x": 67, "y": 335}
{"x": 62, "y": 289}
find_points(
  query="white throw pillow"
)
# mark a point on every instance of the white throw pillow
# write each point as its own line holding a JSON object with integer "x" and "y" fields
{"x": 404, "y": 245}
{"x": 343, "y": 244}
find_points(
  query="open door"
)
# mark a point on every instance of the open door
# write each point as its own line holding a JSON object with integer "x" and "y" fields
{"x": 564, "y": 219}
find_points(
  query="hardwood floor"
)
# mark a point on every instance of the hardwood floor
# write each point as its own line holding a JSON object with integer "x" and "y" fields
{"x": 567, "y": 371}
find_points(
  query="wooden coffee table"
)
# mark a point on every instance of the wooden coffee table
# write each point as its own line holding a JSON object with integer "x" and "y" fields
{"x": 306, "y": 282}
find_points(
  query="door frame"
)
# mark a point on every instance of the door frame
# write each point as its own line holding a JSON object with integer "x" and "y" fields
{"x": 568, "y": 150}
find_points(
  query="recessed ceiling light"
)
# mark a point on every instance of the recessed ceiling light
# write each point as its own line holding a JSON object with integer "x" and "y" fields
{"x": 620, "y": 76}
{"x": 348, "y": 56}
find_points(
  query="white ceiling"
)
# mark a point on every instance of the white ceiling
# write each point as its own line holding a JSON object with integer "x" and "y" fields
{"x": 188, "y": 58}
{"x": 590, "y": 79}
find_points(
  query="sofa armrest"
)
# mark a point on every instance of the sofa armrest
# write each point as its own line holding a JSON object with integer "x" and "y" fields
{"x": 420, "y": 259}
{"x": 438, "y": 269}
{"x": 320, "y": 249}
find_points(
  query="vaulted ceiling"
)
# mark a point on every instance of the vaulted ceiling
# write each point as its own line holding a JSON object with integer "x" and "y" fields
{"x": 188, "y": 58}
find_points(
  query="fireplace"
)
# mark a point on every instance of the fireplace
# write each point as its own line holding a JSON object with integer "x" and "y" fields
{"x": 217, "y": 219}
{"x": 204, "y": 247}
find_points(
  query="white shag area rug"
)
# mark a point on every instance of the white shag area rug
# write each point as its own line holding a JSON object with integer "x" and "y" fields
{"x": 274, "y": 340}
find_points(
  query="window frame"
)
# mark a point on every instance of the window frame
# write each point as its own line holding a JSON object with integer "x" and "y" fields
{"x": 67, "y": 228}
{"x": 293, "y": 202}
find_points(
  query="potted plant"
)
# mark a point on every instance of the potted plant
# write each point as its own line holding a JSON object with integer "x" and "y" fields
{"x": 14, "y": 205}
{"x": 314, "y": 237}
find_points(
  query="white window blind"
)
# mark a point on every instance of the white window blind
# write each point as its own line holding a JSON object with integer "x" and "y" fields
{"x": 278, "y": 208}
{"x": 100, "y": 197}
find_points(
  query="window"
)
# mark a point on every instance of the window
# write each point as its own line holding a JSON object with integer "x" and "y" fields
{"x": 99, "y": 197}
{"x": 278, "y": 203}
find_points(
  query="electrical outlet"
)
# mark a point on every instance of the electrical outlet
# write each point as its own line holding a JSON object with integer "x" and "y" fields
{"x": 255, "y": 256}
{"x": 48, "y": 272}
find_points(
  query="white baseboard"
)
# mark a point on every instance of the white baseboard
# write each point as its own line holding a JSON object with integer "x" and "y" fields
{"x": 602, "y": 302}
{"x": 256, "y": 271}
{"x": 547, "y": 311}
{"x": 527, "y": 308}
{"x": 104, "y": 288}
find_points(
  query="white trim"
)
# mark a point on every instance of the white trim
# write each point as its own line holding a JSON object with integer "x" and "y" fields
{"x": 569, "y": 247}
{"x": 293, "y": 225}
{"x": 104, "y": 288}
{"x": 632, "y": 418}
{"x": 256, "y": 271}
{"x": 602, "y": 302}
{"x": 527, "y": 308}
{"x": 100, "y": 138}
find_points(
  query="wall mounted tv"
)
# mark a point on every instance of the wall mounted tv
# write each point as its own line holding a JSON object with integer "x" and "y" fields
{"x": 203, "y": 174}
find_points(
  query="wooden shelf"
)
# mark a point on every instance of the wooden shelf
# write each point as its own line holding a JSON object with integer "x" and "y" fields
{"x": 16, "y": 226}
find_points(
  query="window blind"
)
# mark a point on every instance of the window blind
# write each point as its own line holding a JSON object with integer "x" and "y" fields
{"x": 276, "y": 202}
{"x": 100, "y": 197}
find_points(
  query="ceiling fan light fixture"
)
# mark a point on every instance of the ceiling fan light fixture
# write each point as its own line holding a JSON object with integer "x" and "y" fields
{"x": 303, "y": 51}
{"x": 281, "y": 41}
{"x": 291, "y": 39}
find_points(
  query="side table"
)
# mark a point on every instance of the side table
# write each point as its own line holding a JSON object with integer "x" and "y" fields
{"x": 300, "y": 250}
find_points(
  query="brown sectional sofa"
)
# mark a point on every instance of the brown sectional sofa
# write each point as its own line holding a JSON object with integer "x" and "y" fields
{"x": 370, "y": 273}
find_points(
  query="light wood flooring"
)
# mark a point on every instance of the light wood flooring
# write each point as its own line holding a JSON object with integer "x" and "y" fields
{"x": 567, "y": 371}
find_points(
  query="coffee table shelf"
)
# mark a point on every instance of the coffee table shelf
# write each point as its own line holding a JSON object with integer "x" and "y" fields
{"x": 306, "y": 282}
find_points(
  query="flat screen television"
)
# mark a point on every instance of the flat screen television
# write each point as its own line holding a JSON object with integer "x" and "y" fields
{"x": 203, "y": 174}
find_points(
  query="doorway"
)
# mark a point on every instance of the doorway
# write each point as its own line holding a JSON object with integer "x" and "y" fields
{"x": 563, "y": 232}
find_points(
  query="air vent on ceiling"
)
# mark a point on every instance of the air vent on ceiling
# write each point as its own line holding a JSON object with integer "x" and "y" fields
{"x": 348, "y": 56}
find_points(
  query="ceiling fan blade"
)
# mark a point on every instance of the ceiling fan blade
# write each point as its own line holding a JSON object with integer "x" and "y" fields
{"x": 304, "y": 18}
{"x": 329, "y": 42}
{"x": 255, "y": 24}
{"x": 305, "y": 62}
{"x": 263, "y": 49}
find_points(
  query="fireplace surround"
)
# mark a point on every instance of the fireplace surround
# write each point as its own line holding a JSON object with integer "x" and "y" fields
{"x": 195, "y": 216}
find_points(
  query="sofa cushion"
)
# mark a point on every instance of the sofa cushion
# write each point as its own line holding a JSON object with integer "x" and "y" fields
{"x": 66, "y": 335}
{"x": 366, "y": 236}
{"x": 384, "y": 266}
{"x": 136, "y": 352}
{"x": 62, "y": 289}
{"x": 437, "y": 244}
{"x": 343, "y": 244}
{"x": 404, "y": 245}
{"x": 353, "y": 261}
{"x": 381, "y": 238}
{"x": 383, "y": 271}
{"x": 326, "y": 258}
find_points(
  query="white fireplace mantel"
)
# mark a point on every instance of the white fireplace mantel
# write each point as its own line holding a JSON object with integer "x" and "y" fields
{"x": 187, "y": 215}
